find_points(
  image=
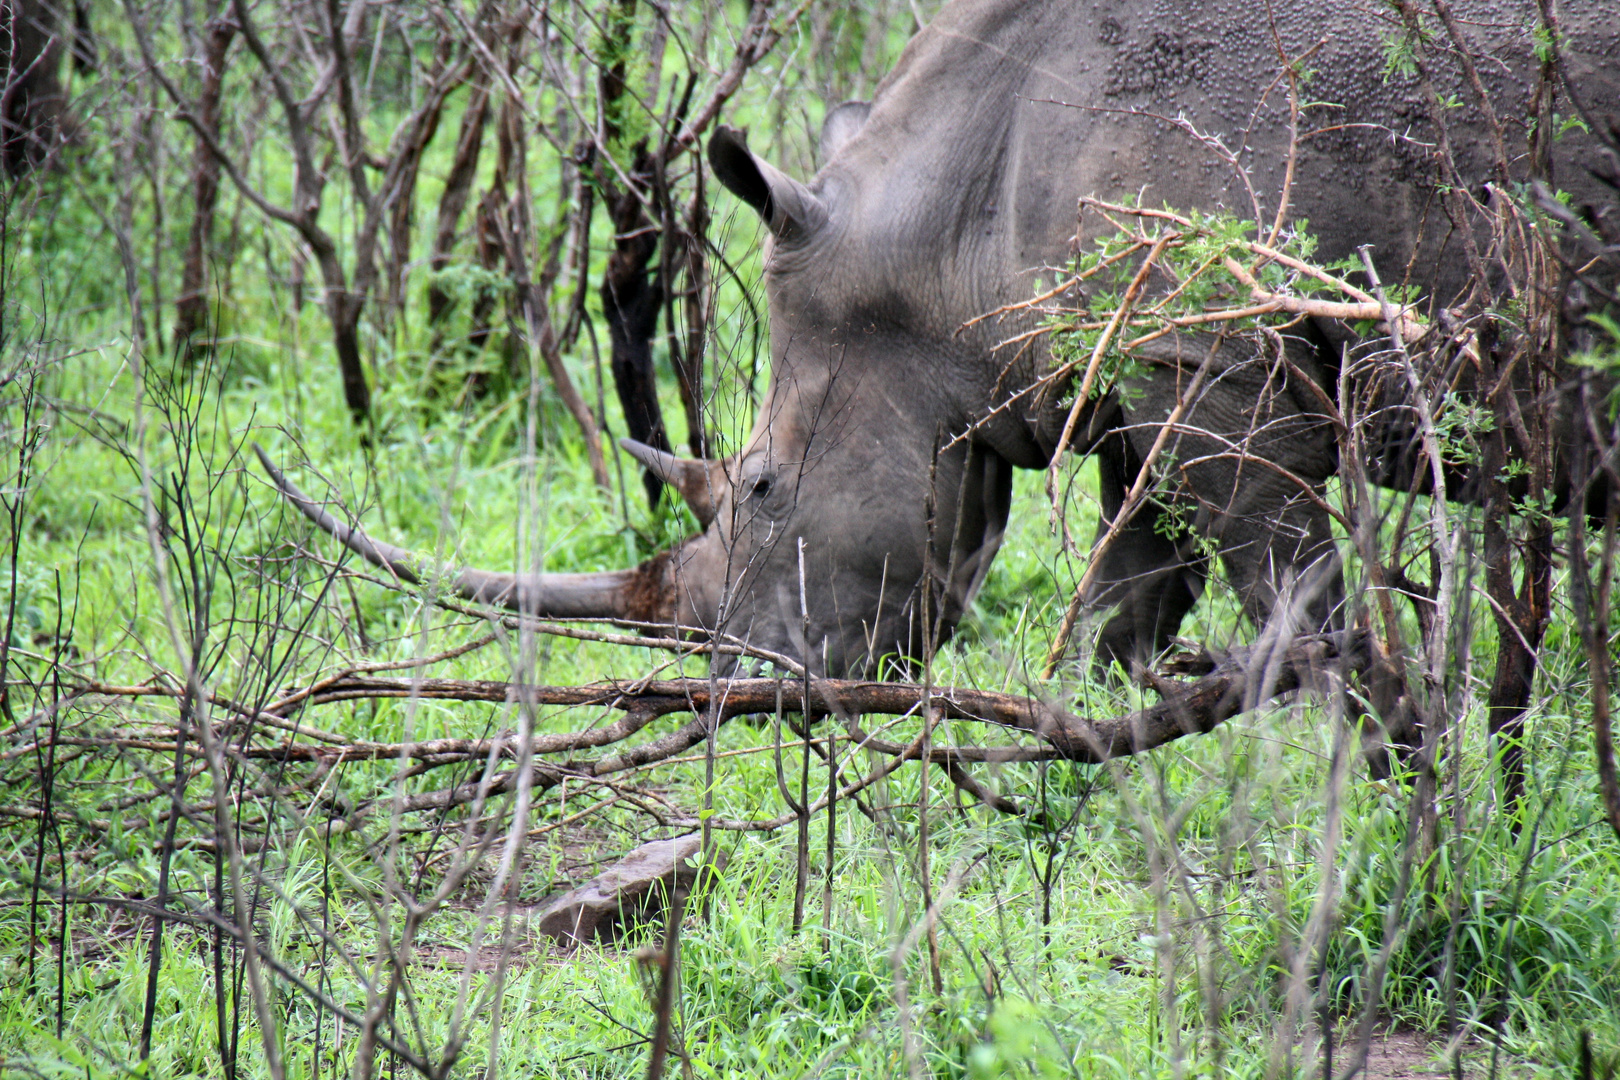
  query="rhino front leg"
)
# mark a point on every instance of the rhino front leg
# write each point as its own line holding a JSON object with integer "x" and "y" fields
{"x": 1144, "y": 575}
{"x": 1244, "y": 467}
{"x": 1283, "y": 565}
{"x": 1255, "y": 458}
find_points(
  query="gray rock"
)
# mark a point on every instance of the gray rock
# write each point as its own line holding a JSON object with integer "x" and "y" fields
{"x": 635, "y": 889}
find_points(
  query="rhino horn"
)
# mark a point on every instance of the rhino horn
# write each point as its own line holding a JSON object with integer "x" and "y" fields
{"x": 698, "y": 481}
{"x": 790, "y": 209}
{"x": 643, "y": 595}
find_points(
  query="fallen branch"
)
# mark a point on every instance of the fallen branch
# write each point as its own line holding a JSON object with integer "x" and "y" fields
{"x": 1189, "y": 707}
{"x": 1224, "y": 688}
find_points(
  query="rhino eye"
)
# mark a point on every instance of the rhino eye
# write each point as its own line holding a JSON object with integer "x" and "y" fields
{"x": 762, "y": 486}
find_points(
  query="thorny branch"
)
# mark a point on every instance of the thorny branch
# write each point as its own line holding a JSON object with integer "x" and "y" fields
{"x": 1187, "y": 707}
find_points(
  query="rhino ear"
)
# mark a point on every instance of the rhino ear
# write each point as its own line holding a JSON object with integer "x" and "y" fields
{"x": 789, "y": 208}
{"x": 841, "y": 125}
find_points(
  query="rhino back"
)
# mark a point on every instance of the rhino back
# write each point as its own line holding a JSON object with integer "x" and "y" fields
{"x": 1001, "y": 113}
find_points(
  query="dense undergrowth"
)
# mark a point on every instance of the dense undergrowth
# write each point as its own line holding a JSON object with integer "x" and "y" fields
{"x": 1058, "y": 954}
{"x": 1166, "y": 915}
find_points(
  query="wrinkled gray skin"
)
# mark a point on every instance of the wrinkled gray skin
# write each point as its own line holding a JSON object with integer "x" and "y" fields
{"x": 943, "y": 200}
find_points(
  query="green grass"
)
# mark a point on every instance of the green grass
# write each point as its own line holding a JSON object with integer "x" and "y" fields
{"x": 1234, "y": 820}
{"x": 1144, "y": 919}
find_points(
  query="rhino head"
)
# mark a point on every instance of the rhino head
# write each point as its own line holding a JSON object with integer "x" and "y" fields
{"x": 852, "y": 526}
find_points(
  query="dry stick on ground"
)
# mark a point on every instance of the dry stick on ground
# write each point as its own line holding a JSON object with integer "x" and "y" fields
{"x": 1200, "y": 706}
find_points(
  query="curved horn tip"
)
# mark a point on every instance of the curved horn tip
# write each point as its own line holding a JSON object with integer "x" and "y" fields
{"x": 694, "y": 478}
{"x": 264, "y": 459}
{"x": 279, "y": 478}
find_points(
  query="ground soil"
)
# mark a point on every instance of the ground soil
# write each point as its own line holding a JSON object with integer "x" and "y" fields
{"x": 1398, "y": 1054}
{"x": 1408, "y": 1055}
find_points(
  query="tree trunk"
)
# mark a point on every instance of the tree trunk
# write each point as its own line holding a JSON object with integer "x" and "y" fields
{"x": 191, "y": 307}
{"x": 696, "y": 295}
{"x": 32, "y": 103}
{"x": 630, "y": 298}
{"x": 400, "y": 200}
{"x": 1591, "y": 605}
{"x": 343, "y": 309}
{"x": 681, "y": 256}
{"x": 1518, "y": 444}
{"x": 487, "y": 234}
{"x": 457, "y": 189}
{"x": 86, "y": 56}
{"x": 631, "y": 301}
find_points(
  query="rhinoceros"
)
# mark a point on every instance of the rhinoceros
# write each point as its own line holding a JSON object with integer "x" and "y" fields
{"x": 877, "y": 481}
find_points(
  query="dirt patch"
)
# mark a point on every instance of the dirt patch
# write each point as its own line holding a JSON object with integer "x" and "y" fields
{"x": 1397, "y": 1054}
{"x": 1410, "y": 1055}
{"x": 526, "y": 949}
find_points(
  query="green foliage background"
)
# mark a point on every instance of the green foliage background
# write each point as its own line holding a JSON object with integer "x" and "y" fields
{"x": 1139, "y": 921}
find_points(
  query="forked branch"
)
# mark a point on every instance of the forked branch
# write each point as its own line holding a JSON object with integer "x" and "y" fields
{"x": 1188, "y": 707}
